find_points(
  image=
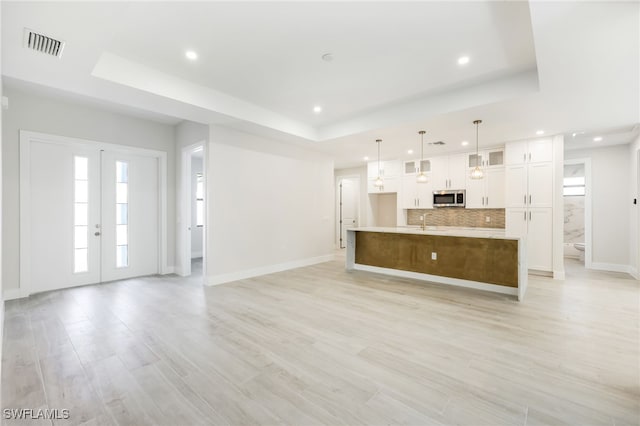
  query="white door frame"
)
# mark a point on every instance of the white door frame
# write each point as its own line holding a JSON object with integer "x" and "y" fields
{"x": 26, "y": 137}
{"x": 338, "y": 225}
{"x": 588, "y": 252}
{"x": 185, "y": 208}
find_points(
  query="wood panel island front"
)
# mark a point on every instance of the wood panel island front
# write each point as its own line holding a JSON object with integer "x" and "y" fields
{"x": 484, "y": 259}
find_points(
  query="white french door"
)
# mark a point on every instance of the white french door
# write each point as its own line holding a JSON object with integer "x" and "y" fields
{"x": 129, "y": 216}
{"x": 93, "y": 215}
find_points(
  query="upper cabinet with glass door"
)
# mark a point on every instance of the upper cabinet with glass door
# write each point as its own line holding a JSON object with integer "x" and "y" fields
{"x": 413, "y": 167}
{"x": 486, "y": 158}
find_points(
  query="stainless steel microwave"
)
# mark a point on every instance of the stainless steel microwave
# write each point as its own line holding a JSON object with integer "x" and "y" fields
{"x": 449, "y": 198}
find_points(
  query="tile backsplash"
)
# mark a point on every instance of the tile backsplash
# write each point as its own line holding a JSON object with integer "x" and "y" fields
{"x": 456, "y": 216}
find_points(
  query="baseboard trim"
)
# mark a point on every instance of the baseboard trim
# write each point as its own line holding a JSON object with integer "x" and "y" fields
{"x": 12, "y": 294}
{"x": 611, "y": 267}
{"x": 270, "y": 269}
{"x": 634, "y": 272}
{"x": 558, "y": 275}
{"x": 169, "y": 270}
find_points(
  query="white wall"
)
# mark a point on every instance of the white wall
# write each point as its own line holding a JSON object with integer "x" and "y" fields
{"x": 186, "y": 133}
{"x": 610, "y": 177}
{"x": 634, "y": 215}
{"x": 196, "y": 231}
{"x": 60, "y": 117}
{"x": 270, "y": 206}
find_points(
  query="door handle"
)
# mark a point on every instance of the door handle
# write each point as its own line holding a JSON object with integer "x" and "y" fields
{"x": 529, "y": 199}
{"x": 97, "y": 233}
{"x": 529, "y": 216}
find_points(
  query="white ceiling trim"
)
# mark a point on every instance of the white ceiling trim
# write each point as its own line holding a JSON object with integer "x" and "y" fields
{"x": 122, "y": 71}
{"x": 496, "y": 90}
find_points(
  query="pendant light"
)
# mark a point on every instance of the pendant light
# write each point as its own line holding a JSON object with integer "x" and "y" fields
{"x": 422, "y": 178}
{"x": 477, "y": 172}
{"x": 378, "y": 183}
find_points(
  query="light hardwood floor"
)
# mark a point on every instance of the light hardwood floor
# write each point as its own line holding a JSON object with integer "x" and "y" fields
{"x": 318, "y": 345}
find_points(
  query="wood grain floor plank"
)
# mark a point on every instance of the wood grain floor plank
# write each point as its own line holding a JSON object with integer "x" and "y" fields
{"x": 319, "y": 345}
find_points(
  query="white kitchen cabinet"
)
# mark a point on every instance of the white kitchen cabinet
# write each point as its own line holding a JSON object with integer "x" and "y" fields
{"x": 488, "y": 192}
{"x": 413, "y": 167}
{"x": 539, "y": 239}
{"x": 387, "y": 168}
{"x": 516, "y": 220}
{"x": 529, "y": 185}
{"x": 540, "y": 185}
{"x": 487, "y": 158}
{"x": 390, "y": 172}
{"x": 536, "y": 227}
{"x": 516, "y": 185}
{"x": 494, "y": 195}
{"x": 529, "y": 198}
{"x": 530, "y": 151}
{"x": 449, "y": 172}
{"x": 390, "y": 184}
{"x": 416, "y": 195}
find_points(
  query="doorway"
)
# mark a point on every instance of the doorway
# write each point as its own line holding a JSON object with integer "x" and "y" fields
{"x": 348, "y": 203}
{"x": 193, "y": 210}
{"x": 90, "y": 212}
{"x": 577, "y": 213}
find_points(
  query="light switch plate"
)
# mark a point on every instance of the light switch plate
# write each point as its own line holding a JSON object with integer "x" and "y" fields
{"x": 434, "y": 255}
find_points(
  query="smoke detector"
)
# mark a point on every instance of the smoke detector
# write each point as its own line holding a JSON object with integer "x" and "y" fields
{"x": 42, "y": 43}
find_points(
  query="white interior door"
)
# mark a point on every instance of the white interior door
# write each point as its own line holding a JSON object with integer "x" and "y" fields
{"x": 129, "y": 215}
{"x": 64, "y": 198}
{"x": 349, "y": 197}
{"x": 93, "y": 215}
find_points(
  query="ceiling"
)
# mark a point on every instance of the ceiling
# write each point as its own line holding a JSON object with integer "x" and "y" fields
{"x": 561, "y": 67}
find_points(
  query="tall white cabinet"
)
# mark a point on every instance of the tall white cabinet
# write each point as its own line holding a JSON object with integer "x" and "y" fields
{"x": 529, "y": 198}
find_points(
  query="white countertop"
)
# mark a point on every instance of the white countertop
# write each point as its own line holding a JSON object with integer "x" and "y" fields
{"x": 453, "y": 231}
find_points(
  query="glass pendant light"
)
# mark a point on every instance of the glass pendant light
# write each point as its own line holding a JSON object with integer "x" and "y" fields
{"x": 422, "y": 178}
{"x": 378, "y": 183}
{"x": 477, "y": 172}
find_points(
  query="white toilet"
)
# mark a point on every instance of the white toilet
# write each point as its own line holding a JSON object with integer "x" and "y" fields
{"x": 580, "y": 248}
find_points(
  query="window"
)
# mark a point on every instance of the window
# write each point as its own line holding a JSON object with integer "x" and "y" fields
{"x": 81, "y": 214}
{"x": 122, "y": 214}
{"x": 573, "y": 186}
{"x": 199, "y": 200}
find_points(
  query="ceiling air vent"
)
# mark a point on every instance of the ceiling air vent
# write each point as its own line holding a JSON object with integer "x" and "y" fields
{"x": 42, "y": 43}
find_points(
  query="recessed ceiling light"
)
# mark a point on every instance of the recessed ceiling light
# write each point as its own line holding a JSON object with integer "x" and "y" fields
{"x": 540, "y": 132}
{"x": 463, "y": 60}
{"x": 190, "y": 54}
{"x": 597, "y": 139}
{"x": 465, "y": 143}
{"x": 410, "y": 151}
{"x": 366, "y": 158}
{"x": 317, "y": 109}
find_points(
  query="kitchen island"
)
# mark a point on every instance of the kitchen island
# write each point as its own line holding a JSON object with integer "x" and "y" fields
{"x": 478, "y": 258}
